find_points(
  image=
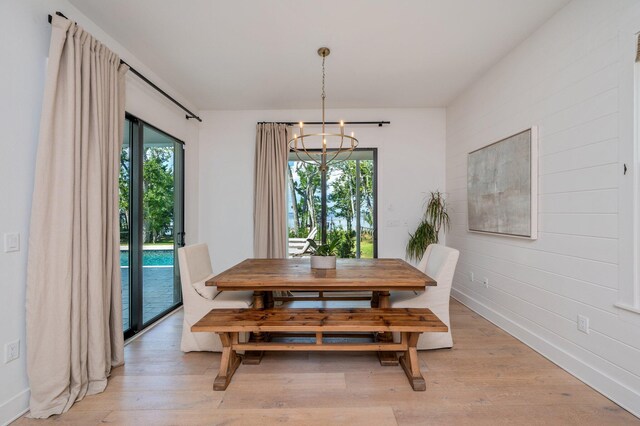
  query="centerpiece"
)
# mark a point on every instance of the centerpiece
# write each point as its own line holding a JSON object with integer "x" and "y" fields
{"x": 323, "y": 256}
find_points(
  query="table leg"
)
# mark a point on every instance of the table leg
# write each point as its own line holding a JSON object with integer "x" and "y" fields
{"x": 268, "y": 300}
{"x": 386, "y": 358}
{"x": 375, "y": 299}
{"x": 254, "y": 357}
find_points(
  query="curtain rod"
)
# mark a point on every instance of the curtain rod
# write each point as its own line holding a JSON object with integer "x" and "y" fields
{"x": 150, "y": 83}
{"x": 317, "y": 123}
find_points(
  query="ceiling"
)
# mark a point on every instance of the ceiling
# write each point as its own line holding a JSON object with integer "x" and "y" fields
{"x": 261, "y": 54}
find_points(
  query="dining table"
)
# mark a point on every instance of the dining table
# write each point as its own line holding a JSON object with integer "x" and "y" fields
{"x": 380, "y": 276}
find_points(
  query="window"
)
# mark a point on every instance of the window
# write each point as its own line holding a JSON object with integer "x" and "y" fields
{"x": 343, "y": 198}
{"x": 151, "y": 223}
{"x": 629, "y": 183}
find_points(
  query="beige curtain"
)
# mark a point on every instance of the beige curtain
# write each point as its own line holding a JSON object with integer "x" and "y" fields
{"x": 74, "y": 311}
{"x": 270, "y": 196}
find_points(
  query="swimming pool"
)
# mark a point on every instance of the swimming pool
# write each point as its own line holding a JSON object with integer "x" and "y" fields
{"x": 150, "y": 258}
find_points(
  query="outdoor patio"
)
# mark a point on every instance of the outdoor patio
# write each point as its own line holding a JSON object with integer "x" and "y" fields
{"x": 157, "y": 292}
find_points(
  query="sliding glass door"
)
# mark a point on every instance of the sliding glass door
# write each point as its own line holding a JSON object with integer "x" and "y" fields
{"x": 343, "y": 198}
{"x": 151, "y": 223}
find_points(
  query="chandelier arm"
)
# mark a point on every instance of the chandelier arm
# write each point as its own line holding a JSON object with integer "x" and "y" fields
{"x": 348, "y": 156}
{"x": 306, "y": 151}
{"x": 340, "y": 149}
{"x": 310, "y": 160}
{"x": 350, "y": 150}
{"x": 334, "y": 156}
{"x": 298, "y": 155}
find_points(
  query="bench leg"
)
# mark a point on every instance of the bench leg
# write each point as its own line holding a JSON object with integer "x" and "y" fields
{"x": 410, "y": 364}
{"x": 254, "y": 357}
{"x": 228, "y": 363}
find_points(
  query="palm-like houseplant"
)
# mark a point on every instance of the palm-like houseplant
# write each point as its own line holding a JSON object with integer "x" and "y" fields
{"x": 323, "y": 256}
{"x": 435, "y": 218}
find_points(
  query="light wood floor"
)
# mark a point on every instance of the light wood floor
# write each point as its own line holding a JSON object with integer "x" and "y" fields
{"x": 487, "y": 378}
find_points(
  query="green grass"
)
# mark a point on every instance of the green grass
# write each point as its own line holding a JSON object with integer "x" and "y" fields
{"x": 366, "y": 246}
{"x": 366, "y": 249}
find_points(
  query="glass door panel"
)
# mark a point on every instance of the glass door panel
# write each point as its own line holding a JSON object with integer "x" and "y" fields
{"x": 350, "y": 204}
{"x": 304, "y": 204}
{"x": 365, "y": 231}
{"x": 161, "y": 231}
{"x": 151, "y": 223}
{"x": 348, "y": 208}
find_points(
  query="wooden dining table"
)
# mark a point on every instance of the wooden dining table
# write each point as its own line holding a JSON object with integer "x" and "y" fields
{"x": 263, "y": 276}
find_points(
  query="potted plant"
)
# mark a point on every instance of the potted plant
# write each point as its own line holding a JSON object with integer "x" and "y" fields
{"x": 323, "y": 256}
{"x": 435, "y": 217}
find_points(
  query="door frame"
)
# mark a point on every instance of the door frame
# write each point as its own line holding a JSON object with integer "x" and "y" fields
{"x": 323, "y": 197}
{"x": 136, "y": 237}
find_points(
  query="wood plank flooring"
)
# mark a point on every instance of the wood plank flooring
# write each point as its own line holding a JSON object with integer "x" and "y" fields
{"x": 488, "y": 378}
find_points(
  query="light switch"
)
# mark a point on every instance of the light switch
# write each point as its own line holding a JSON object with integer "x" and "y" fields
{"x": 11, "y": 242}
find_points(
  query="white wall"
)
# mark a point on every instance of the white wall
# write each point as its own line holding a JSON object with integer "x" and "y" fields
{"x": 564, "y": 79}
{"x": 25, "y": 44}
{"x": 410, "y": 164}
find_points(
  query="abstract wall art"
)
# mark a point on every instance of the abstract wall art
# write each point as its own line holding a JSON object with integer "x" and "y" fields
{"x": 502, "y": 186}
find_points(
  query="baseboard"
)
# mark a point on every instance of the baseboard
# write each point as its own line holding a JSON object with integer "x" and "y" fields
{"x": 15, "y": 407}
{"x": 587, "y": 373}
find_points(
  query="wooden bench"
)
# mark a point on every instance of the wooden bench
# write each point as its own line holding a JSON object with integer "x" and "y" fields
{"x": 228, "y": 323}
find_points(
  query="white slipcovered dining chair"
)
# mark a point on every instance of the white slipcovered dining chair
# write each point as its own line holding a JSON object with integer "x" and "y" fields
{"x": 439, "y": 262}
{"x": 199, "y": 299}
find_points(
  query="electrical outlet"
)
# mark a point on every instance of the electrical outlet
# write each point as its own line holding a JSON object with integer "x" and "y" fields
{"x": 471, "y": 276}
{"x": 11, "y": 242}
{"x": 11, "y": 351}
{"x": 485, "y": 281}
{"x": 583, "y": 324}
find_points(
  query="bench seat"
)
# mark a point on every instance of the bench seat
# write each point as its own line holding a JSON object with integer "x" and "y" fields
{"x": 410, "y": 322}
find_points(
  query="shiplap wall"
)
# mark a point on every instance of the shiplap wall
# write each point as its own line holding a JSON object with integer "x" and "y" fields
{"x": 565, "y": 80}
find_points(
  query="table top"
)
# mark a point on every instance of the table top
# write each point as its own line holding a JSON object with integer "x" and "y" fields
{"x": 296, "y": 274}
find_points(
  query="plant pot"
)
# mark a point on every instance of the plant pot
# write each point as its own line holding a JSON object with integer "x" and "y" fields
{"x": 323, "y": 262}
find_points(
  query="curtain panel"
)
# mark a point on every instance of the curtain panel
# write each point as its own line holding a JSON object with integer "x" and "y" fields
{"x": 74, "y": 309}
{"x": 270, "y": 193}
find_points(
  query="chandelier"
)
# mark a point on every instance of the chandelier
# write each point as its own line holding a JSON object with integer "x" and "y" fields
{"x": 325, "y": 147}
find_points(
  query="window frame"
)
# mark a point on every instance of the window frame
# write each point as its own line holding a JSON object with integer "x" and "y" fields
{"x": 136, "y": 299}
{"x": 629, "y": 177}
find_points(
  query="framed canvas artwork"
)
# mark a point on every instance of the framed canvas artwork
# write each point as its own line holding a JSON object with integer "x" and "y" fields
{"x": 502, "y": 186}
